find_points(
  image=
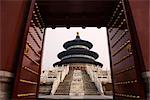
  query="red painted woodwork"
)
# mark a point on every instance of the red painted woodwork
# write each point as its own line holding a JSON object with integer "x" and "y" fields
{"x": 76, "y": 13}
{"x": 13, "y": 19}
{"x": 125, "y": 64}
{"x": 28, "y": 74}
{"x": 141, "y": 18}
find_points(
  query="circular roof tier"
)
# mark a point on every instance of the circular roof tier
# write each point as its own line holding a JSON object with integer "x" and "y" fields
{"x": 77, "y": 41}
{"x": 77, "y": 60}
{"x": 77, "y": 51}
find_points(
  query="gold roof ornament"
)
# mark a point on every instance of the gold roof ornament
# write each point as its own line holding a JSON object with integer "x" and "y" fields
{"x": 77, "y": 33}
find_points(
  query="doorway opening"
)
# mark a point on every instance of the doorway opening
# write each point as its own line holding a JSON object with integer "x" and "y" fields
{"x": 53, "y": 44}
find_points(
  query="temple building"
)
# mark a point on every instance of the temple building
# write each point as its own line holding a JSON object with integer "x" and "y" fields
{"x": 77, "y": 70}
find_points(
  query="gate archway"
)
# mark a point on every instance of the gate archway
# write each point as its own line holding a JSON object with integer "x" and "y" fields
{"x": 126, "y": 60}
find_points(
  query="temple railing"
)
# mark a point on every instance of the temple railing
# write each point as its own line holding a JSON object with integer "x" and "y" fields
{"x": 92, "y": 71}
{"x": 56, "y": 84}
{"x": 62, "y": 72}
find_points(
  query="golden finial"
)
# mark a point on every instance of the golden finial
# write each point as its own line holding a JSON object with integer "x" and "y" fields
{"x": 77, "y": 33}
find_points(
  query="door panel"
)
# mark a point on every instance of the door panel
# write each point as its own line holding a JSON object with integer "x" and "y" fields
{"x": 125, "y": 72}
{"x": 28, "y": 73}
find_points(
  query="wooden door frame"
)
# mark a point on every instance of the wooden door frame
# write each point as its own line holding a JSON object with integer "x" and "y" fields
{"x": 138, "y": 59}
{"x": 22, "y": 46}
{"x": 137, "y": 53}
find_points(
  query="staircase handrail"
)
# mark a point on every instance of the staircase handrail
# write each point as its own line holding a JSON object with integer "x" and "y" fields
{"x": 98, "y": 84}
{"x": 55, "y": 84}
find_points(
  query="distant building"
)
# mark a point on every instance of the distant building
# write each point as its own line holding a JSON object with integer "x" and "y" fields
{"x": 47, "y": 76}
{"x": 104, "y": 76}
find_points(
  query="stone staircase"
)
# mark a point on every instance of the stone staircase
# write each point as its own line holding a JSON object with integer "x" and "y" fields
{"x": 64, "y": 87}
{"x": 89, "y": 86}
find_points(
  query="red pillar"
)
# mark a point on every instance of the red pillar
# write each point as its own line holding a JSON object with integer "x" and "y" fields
{"x": 140, "y": 13}
{"x": 13, "y": 19}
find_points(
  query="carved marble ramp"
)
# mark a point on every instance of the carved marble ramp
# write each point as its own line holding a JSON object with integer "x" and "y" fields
{"x": 77, "y": 84}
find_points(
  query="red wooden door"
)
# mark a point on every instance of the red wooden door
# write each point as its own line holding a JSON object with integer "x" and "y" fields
{"x": 125, "y": 64}
{"x": 28, "y": 73}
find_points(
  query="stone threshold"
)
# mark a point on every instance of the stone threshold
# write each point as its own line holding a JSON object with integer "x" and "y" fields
{"x": 66, "y": 97}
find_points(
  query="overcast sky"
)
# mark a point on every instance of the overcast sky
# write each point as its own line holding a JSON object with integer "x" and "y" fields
{"x": 55, "y": 38}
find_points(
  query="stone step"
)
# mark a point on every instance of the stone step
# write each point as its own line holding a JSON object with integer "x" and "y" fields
{"x": 89, "y": 86}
